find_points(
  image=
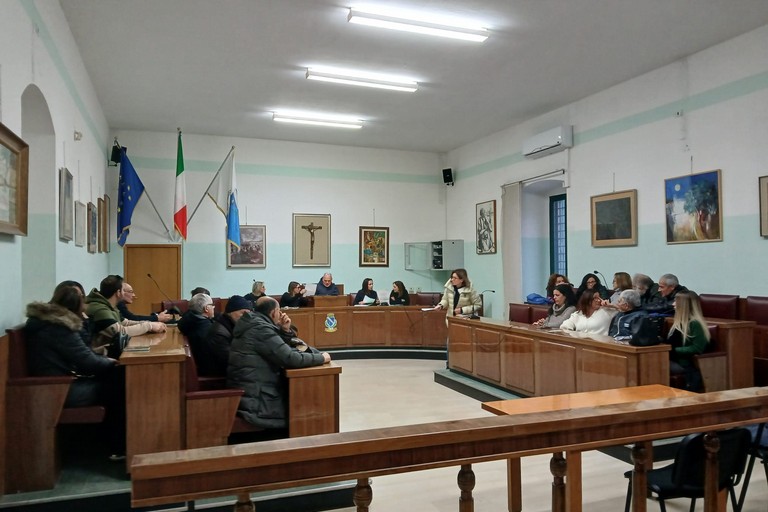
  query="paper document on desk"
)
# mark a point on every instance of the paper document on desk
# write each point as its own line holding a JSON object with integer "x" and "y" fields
{"x": 430, "y": 309}
{"x": 367, "y": 301}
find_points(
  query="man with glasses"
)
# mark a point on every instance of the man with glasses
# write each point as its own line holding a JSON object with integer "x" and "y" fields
{"x": 126, "y": 314}
{"x": 196, "y": 322}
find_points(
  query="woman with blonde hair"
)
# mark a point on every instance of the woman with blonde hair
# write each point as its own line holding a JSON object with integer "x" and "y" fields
{"x": 688, "y": 336}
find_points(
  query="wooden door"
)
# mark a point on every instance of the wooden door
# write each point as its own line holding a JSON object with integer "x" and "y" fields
{"x": 163, "y": 264}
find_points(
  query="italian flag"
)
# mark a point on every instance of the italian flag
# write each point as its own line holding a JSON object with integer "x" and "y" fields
{"x": 180, "y": 201}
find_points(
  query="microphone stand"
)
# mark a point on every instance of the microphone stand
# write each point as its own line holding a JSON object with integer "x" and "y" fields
{"x": 173, "y": 309}
{"x": 605, "y": 283}
{"x": 474, "y": 315}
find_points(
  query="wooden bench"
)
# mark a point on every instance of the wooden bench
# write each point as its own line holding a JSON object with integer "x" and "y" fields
{"x": 36, "y": 407}
{"x": 756, "y": 309}
{"x": 713, "y": 365}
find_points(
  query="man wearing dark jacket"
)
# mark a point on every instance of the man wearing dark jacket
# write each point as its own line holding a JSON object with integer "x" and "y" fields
{"x": 196, "y": 322}
{"x": 213, "y": 355}
{"x": 260, "y": 350}
{"x": 126, "y": 314}
{"x": 669, "y": 287}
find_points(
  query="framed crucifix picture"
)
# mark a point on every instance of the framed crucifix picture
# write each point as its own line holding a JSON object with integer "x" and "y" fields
{"x": 311, "y": 240}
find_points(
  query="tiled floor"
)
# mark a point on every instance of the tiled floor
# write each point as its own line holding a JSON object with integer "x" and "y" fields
{"x": 391, "y": 392}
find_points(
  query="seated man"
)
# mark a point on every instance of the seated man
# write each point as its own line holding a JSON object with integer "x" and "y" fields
{"x": 128, "y": 297}
{"x": 626, "y": 321}
{"x": 326, "y": 286}
{"x": 669, "y": 287}
{"x": 648, "y": 290}
{"x": 196, "y": 322}
{"x": 108, "y": 330}
{"x": 213, "y": 352}
{"x": 261, "y": 348}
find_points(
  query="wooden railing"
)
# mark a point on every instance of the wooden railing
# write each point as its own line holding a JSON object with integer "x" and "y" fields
{"x": 171, "y": 477}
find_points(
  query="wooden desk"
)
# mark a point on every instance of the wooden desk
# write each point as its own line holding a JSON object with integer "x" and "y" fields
{"x": 156, "y": 408}
{"x": 524, "y": 359}
{"x": 565, "y": 403}
{"x": 371, "y": 326}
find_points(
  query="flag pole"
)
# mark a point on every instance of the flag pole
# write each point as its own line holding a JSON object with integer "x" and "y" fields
{"x": 209, "y": 185}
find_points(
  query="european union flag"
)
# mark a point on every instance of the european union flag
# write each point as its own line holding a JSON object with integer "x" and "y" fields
{"x": 129, "y": 191}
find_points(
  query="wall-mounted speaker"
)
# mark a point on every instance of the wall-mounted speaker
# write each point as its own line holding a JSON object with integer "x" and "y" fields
{"x": 448, "y": 176}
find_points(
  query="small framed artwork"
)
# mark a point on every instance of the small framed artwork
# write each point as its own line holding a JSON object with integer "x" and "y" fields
{"x": 614, "y": 219}
{"x": 374, "y": 246}
{"x": 100, "y": 212}
{"x": 14, "y": 178}
{"x": 763, "y": 186}
{"x": 93, "y": 228}
{"x": 253, "y": 248}
{"x": 66, "y": 205}
{"x": 693, "y": 208}
{"x": 485, "y": 227}
{"x": 311, "y": 240}
{"x": 80, "y": 223}
{"x": 105, "y": 222}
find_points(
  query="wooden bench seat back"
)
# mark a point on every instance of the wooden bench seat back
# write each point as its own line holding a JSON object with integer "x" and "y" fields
{"x": 519, "y": 313}
{"x": 539, "y": 311}
{"x": 720, "y": 306}
{"x": 756, "y": 309}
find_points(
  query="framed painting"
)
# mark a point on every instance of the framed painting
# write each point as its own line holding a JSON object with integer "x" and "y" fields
{"x": 253, "y": 248}
{"x": 100, "y": 213}
{"x": 374, "y": 246}
{"x": 614, "y": 219}
{"x": 80, "y": 223}
{"x": 311, "y": 240}
{"x": 105, "y": 222}
{"x": 93, "y": 228}
{"x": 485, "y": 227}
{"x": 66, "y": 205}
{"x": 693, "y": 208}
{"x": 763, "y": 186}
{"x": 14, "y": 179}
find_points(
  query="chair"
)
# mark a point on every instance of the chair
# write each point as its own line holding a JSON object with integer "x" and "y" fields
{"x": 684, "y": 478}
{"x": 758, "y": 450}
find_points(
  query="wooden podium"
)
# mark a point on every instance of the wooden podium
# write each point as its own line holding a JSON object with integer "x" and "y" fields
{"x": 331, "y": 301}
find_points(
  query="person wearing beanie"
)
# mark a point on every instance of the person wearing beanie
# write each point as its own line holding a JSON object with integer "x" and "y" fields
{"x": 214, "y": 350}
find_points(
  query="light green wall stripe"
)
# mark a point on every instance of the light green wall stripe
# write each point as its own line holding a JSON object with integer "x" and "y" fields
{"x": 723, "y": 93}
{"x": 285, "y": 171}
{"x": 58, "y": 61}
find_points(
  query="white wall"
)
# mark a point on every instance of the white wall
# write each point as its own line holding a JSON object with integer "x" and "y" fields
{"x": 628, "y": 137}
{"x": 37, "y": 49}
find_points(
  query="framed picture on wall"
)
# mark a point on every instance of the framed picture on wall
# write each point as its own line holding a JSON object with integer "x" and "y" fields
{"x": 311, "y": 240}
{"x": 81, "y": 220}
{"x": 374, "y": 246}
{"x": 14, "y": 177}
{"x": 485, "y": 227}
{"x": 100, "y": 212}
{"x": 66, "y": 205}
{"x": 693, "y": 208}
{"x": 93, "y": 228}
{"x": 763, "y": 186}
{"x": 105, "y": 222}
{"x": 614, "y": 219}
{"x": 253, "y": 248}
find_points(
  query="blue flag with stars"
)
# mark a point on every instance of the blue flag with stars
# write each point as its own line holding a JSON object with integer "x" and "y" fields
{"x": 129, "y": 191}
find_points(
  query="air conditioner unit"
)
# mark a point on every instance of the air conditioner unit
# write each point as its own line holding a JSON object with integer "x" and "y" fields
{"x": 548, "y": 142}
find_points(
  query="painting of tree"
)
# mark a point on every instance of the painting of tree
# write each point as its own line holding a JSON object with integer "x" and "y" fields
{"x": 694, "y": 208}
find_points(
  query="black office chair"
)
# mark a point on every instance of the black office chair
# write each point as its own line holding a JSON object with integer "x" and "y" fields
{"x": 758, "y": 450}
{"x": 684, "y": 478}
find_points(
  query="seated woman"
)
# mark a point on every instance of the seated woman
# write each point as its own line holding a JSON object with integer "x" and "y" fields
{"x": 589, "y": 317}
{"x": 399, "y": 295}
{"x": 258, "y": 290}
{"x": 554, "y": 280}
{"x": 688, "y": 336}
{"x": 591, "y": 282}
{"x": 621, "y": 281}
{"x": 366, "y": 294}
{"x": 55, "y": 347}
{"x": 294, "y": 297}
{"x": 563, "y": 307}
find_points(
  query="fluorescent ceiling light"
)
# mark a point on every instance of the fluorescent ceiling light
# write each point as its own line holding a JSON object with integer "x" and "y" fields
{"x": 362, "y": 80}
{"x": 330, "y": 122}
{"x": 419, "y": 26}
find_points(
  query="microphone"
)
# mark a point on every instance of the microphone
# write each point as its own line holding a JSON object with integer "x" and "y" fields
{"x": 173, "y": 309}
{"x": 605, "y": 283}
{"x": 474, "y": 315}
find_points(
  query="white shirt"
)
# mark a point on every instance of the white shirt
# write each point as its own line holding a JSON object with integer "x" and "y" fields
{"x": 598, "y": 323}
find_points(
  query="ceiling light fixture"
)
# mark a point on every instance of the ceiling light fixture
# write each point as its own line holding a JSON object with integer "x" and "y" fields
{"x": 389, "y": 83}
{"x": 419, "y": 26}
{"x": 329, "y": 122}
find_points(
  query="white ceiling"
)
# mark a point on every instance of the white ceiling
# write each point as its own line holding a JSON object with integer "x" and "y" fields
{"x": 220, "y": 67}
